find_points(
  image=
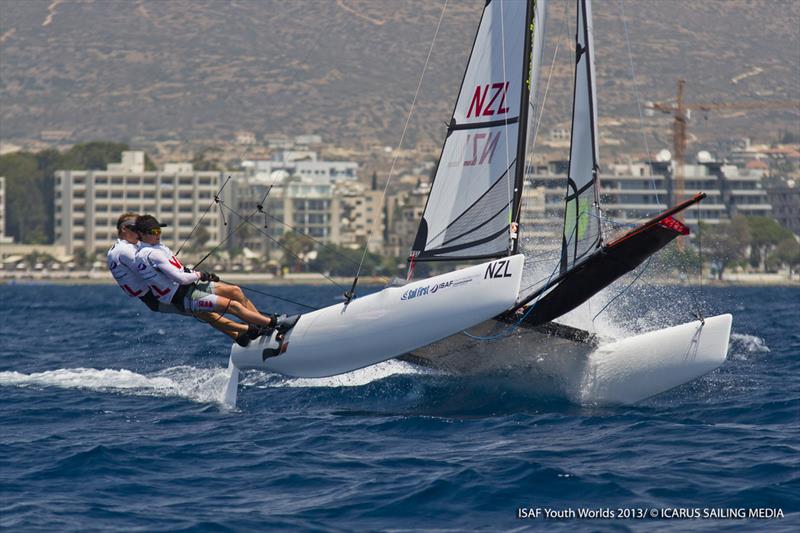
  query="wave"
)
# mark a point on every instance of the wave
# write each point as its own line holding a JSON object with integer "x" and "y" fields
{"x": 742, "y": 345}
{"x": 202, "y": 385}
{"x": 356, "y": 378}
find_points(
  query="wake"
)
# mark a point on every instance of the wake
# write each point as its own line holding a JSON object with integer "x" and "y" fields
{"x": 200, "y": 385}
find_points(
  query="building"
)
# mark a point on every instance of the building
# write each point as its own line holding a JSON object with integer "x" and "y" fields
{"x": 785, "y": 201}
{"x": 631, "y": 193}
{"x": 3, "y": 238}
{"x": 87, "y": 203}
{"x": 303, "y": 163}
{"x": 360, "y": 216}
{"x": 403, "y": 213}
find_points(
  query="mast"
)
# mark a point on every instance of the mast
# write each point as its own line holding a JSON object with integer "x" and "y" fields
{"x": 525, "y": 94}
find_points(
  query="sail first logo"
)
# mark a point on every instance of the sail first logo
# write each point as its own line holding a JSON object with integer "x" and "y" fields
{"x": 410, "y": 294}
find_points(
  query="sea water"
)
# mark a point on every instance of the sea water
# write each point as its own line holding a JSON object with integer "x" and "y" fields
{"x": 111, "y": 418}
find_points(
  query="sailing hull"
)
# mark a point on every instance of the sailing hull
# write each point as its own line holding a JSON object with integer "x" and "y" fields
{"x": 577, "y": 367}
{"x": 342, "y": 338}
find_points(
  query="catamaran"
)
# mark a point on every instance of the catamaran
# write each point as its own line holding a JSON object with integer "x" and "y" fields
{"x": 473, "y": 213}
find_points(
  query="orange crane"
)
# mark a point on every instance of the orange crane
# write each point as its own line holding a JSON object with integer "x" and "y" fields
{"x": 680, "y": 112}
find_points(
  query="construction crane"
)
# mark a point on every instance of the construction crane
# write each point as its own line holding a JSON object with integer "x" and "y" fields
{"x": 680, "y": 112}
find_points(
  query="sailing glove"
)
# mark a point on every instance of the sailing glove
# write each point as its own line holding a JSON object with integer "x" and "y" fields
{"x": 208, "y": 276}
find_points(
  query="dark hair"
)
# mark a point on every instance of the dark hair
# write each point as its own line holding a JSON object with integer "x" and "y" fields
{"x": 123, "y": 217}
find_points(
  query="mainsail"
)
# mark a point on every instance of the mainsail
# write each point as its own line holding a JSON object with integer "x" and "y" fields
{"x": 582, "y": 232}
{"x": 478, "y": 180}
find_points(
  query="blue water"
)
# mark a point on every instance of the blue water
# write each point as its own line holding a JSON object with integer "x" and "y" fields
{"x": 111, "y": 419}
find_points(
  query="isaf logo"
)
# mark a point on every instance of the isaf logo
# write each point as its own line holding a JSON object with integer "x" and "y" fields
{"x": 497, "y": 269}
{"x": 442, "y": 285}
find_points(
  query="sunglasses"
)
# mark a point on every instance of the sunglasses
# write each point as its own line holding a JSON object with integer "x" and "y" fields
{"x": 153, "y": 231}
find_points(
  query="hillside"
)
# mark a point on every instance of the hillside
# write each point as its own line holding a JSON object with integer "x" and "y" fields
{"x": 348, "y": 69}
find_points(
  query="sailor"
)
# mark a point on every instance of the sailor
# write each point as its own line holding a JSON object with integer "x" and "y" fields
{"x": 191, "y": 291}
{"x": 122, "y": 264}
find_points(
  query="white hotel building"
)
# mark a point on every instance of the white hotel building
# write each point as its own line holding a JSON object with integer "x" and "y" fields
{"x": 3, "y": 238}
{"x": 88, "y": 202}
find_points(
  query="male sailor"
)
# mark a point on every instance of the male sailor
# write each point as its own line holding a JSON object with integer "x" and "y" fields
{"x": 122, "y": 264}
{"x": 192, "y": 291}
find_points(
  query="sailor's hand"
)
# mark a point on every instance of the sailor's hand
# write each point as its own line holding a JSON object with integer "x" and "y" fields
{"x": 208, "y": 276}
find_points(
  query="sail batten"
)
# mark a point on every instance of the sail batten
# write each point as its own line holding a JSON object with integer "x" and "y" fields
{"x": 475, "y": 190}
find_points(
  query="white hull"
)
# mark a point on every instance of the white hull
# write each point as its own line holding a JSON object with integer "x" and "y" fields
{"x": 621, "y": 372}
{"x": 342, "y": 338}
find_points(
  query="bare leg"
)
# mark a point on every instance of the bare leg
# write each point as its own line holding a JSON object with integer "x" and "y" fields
{"x": 232, "y": 292}
{"x": 237, "y": 308}
{"x": 220, "y": 323}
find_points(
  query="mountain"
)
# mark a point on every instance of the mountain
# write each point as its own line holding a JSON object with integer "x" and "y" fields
{"x": 348, "y": 69}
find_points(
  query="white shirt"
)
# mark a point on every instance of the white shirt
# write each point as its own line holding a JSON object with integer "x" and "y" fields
{"x": 122, "y": 264}
{"x": 162, "y": 271}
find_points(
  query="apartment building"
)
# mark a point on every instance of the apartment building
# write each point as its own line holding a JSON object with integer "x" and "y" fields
{"x": 341, "y": 213}
{"x": 303, "y": 163}
{"x": 631, "y": 192}
{"x": 360, "y": 216}
{"x": 785, "y": 200}
{"x": 3, "y": 238}
{"x": 88, "y": 202}
{"x": 403, "y": 213}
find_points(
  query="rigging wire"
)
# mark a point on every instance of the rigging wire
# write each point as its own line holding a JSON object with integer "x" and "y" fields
{"x": 402, "y": 138}
{"x": 510, "y": 329}
{"x": 320, "y": 243}
{"x": 215, "y": 200}
{"x": 221, "y": 203}
{"x": 251, "y": 289}
{"x": 276, "y": 241}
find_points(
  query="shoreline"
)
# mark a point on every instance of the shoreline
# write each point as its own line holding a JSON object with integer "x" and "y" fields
{"x": 103, "y": 278}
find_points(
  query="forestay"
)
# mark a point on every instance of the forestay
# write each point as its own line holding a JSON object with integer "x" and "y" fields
{"x": 581, "y": 217}
{"x": 470, "y": 205}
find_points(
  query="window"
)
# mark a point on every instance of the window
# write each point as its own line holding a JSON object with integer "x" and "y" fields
{"x": 101, "y": 194}
{"x": 185, "y": 194}
{"x": 101, "y": 179}
{"x": 78, "y": 180}
{"x": 149, "y": 181}
{"x": 133, "y": 181}
{"x": 116, "y": 181}
{"x": 185, "y": 209}
{"x": 185, "y": 181}
{"x": 134, "y": 194}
